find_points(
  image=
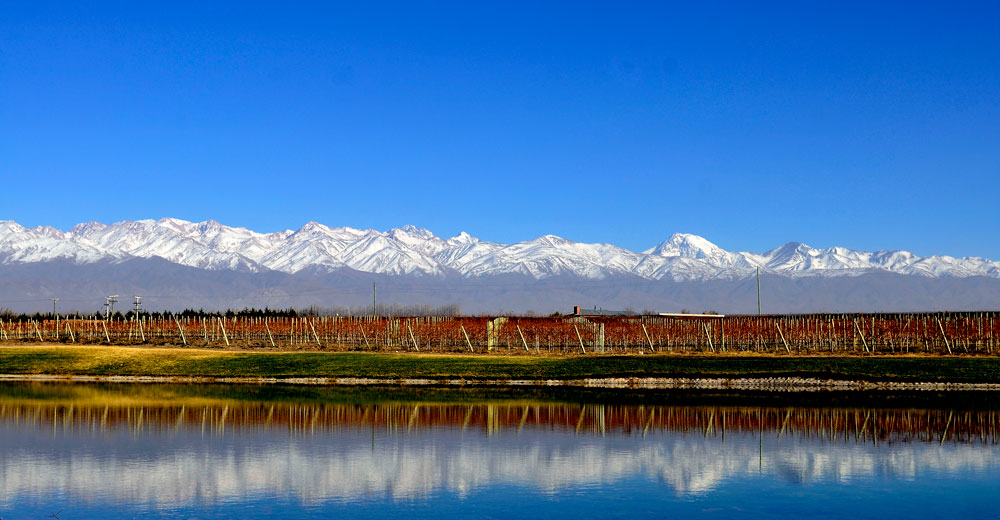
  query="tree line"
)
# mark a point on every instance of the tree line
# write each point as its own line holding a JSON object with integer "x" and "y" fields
{"x": 247, "y": 312}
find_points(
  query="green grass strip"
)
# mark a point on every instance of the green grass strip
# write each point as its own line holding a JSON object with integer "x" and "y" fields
{"x": 118, "y": 361}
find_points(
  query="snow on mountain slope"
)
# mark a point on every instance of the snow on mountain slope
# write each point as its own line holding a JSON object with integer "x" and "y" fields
{"x": 20, "y": 244}
{"x": 171, "y": 239}
{"x": 688, "y": 246}
{"x": 707, "y": 254}
{"x": 550, "y": 255}
{"x": 410, "y": 250}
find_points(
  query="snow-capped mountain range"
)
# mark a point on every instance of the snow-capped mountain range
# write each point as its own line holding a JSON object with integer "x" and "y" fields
{"x": 414, "y": 251}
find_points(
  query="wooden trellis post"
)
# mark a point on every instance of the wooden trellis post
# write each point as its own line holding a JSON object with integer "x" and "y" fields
{"x": 579, "y": 337}
{"x": 722, "y": 327}
{"x": 648, "y": 339}
{"x": 269, "y": 337}
{"x": 943, "y": 335}
{"x": 315, "y": 336}
{"x": 863, "y": 342}
{"x": 788, "y": 350}
{"x": 364, "y": 335}
{"x": 222, "y": 327}
{"x": 709, "y": 336}
{"x": 525, "y": 343}
{"x": 414, "y": 340}
{"x": 37, "y": 331}
{"x": 467, "y": 342}
{"x": 181, "y": 330}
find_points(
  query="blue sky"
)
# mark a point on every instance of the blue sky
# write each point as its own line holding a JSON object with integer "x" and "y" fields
{"x": 871, "y": 127}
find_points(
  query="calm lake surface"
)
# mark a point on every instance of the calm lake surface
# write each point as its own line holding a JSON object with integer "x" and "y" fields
{"x": 188, "y": 451}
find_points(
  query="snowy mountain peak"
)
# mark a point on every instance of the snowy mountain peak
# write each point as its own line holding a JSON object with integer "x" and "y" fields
{"x": 410, "y": 250}
{"x": 462, "y": 239}
{"x": 210, "y": 225}
{"x": 412, "y": 231}
{"x": 314, "y": 227}
{"x": 9, "y": 226}
{"x": 551, "y": 240}
{"x": 688, "y": 246}
{"x": 172, "y": 223}
{"x": 86, "y": 227}
{"x": 790, "y": 250}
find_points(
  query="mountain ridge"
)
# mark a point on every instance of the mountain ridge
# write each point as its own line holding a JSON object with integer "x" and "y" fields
{"x": 414, "y": 251}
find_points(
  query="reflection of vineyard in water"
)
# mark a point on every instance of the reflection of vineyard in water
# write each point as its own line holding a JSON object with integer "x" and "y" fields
{"x": 184, "y": 445}
{"x": 831, "y": 424}
{"x": 946, "y": 333}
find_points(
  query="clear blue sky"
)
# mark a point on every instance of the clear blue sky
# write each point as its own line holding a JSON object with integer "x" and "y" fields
{"x": 867, "y": 126}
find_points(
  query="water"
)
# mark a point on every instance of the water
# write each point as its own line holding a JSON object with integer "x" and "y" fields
{"x": 132, "y": 451}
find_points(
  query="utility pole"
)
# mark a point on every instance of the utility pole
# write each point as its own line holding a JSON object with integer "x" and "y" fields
{"x": 758, "y": 290}
{"x": 137, "y": 303}
{"x": 54, "y": 300}
{"x": 109, "y": 303}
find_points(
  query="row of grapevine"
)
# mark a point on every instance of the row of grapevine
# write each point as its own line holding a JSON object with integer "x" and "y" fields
{"x": 941, "y": 333}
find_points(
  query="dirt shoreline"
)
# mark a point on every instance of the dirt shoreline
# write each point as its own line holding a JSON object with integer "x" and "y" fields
{"x": 775, "y": 384}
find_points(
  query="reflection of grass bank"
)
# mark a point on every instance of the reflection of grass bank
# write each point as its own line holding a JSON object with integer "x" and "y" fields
{"x": 120, "y": 361}
{"x": 82, "y": 395}
{"x": 219, "y": 409}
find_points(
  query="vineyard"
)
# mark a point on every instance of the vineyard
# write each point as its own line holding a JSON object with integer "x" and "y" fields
{"x": 939, "y": 333}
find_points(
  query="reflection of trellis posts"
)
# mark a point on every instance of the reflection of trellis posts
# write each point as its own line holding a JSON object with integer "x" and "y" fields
{"x": 858, "y": 425}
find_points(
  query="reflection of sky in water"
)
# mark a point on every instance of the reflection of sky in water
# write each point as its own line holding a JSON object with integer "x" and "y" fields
{"x": 166, "y": 470}
{"x": 116, "y": 452}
